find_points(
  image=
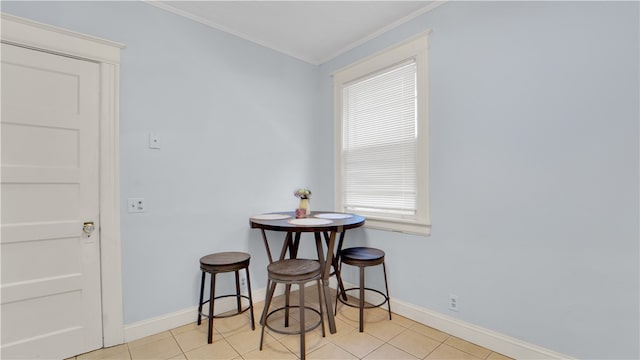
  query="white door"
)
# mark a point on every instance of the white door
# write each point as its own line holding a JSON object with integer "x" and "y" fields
{"x": 50, "y": 292}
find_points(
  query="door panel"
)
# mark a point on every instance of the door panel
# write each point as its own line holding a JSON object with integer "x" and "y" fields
{"x": 51, "y": 295}
{"x": 29, "y": 203}
{"x": 40, "y": 146}
{"x": 56, "y": 92}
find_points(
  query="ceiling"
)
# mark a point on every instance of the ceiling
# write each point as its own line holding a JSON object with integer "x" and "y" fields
{"x": 312, "y": 31}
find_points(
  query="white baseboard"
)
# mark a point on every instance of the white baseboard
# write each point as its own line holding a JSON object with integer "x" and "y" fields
{"x": 173, "y": 320}
{"x": 490, "y": 339}
{"x": 159, "y": 324}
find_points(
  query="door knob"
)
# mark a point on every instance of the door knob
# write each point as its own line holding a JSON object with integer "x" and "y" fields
{"x": 88, "y": 228}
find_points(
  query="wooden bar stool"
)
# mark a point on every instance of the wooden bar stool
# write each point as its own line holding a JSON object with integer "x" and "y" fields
{"x": 222, "y": 263}
{"x": 363, "y": 257}
{"x": 289, "y": 272}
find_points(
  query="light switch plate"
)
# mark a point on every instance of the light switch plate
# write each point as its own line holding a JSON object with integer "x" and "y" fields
{"x": 154, "y": 141}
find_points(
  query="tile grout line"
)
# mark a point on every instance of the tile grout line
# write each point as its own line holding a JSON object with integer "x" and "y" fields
{"x": 410, "y": 328}
{"x": 177, "y": 343}
{"x": 467, "y": 352}
{"x": 434, "y": 349}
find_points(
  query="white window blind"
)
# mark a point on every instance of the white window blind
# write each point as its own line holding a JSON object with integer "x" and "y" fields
{"x": 379, "y": 114}
{"x": 382, "y": 138}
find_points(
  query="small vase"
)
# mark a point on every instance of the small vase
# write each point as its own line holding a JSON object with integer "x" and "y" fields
{"x": 304, "y": 204}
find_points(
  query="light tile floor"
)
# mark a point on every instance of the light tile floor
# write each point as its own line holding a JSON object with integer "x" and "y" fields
{"x": 399, "y": 338}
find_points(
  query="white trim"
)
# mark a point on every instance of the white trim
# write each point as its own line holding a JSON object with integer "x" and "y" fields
{"x": 43, "y": 37}
{"x": 489, "y": 339}
{"x": 403, "y": 44}
{"x": 383, "y": 30}
{"x": 110, "y": 244}
{"x": 182, "y": 317}
{"x": 299, "y": 56}
{"x": 50, "y": 38}
{"x": 416, "y": 47}
{"x": 398, "y": 226}
{"x": 159, "y": 324}
{"x": 227, "y": 30}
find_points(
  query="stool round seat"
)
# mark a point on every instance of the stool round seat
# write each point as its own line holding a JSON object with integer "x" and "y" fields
{"x": 224, "y": 261}
{"x": 294, "y": 270}
{"x": 362, "y": 256}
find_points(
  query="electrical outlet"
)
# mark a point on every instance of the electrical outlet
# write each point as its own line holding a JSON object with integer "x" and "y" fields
{"x": 453, "y": 302}
{"x": 243, "y": 280}
{"x": 135, "y": 205}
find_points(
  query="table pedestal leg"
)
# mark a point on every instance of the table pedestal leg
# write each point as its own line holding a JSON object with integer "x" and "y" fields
{"x": 327, "y": 263}
{"x": 329, "y": 305}
{"x": 336, "y": 269}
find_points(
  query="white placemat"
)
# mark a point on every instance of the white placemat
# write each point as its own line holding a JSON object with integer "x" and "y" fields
{"x": 270, "y": 217}
{"x": 309, "y": 221}
{"x": 333, "y": 216}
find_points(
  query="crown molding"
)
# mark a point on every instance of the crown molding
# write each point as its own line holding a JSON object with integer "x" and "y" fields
{"x": 393, "y": 25}
{"x": 432, "y": 5}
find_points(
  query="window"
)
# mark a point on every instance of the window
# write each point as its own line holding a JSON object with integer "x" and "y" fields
{"x": 381, "y": 135}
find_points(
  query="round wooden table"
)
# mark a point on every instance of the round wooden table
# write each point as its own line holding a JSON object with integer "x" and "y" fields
{"x": 322, "y": 223}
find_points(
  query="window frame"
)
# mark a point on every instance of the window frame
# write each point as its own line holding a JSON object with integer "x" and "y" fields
{"x": 414, "y": 48}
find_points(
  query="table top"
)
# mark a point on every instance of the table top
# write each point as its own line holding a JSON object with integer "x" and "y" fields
{"x": 330, "y": 223}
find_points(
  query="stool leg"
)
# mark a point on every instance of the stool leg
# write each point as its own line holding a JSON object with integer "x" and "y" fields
{"x": 361, "y": 298}
{"x": 302, "y": 322}
{"x": 253, "y": 324}
{"x": 386, "y": 286}
{"x": 265, "y": 311}
{"x": 335, "y": 308}
{"x": 238, "y": 298}
{"x": 287, "y": 292}
{"x": 267, "y": 299}
{"x": 339, "y": 291}
{"x": 201, "y": 298}
{"x": 320, "y": 304}
{"x": 211, "y": 302}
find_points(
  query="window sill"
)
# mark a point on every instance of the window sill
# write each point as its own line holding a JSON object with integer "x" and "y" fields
{"x": 398, "y": 226}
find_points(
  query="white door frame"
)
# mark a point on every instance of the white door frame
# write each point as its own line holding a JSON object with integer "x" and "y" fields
{"x": 38, "y": 36}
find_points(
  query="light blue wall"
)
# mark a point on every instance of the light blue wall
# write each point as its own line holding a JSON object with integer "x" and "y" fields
{"x": 534, "y": 161}
{"x": 534, "y": 172}
{"x": 237, "y": 124}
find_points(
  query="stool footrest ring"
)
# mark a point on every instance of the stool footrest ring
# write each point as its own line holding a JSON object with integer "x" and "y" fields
{"x": 201, "y": 313}
{"x": 366, "y": 306}
{"x": 297, "y": 331}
